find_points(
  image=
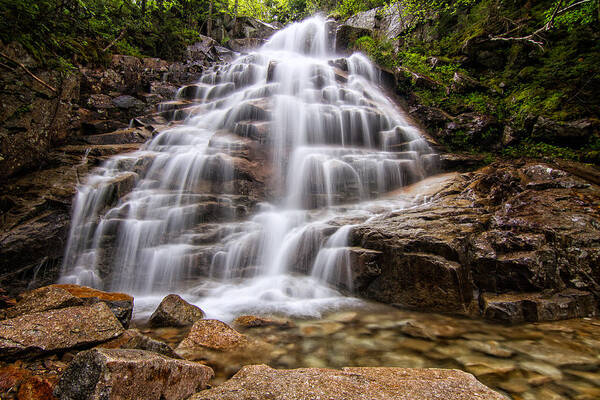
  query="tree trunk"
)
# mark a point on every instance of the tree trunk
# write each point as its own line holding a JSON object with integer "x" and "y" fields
{"x": 235, "y": 14}
{"x": 209, "y": 22}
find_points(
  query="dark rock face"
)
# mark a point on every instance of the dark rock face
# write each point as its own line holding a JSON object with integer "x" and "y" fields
{"x": 113, "y": 374}
{"x": 57, "y": 330}
{"x": 174, "y": 311}
{"x": 576, "y": 132}
{"x": 530, "y": 229}
{"x": 261, "y": 381}
{"x": 33, "y": 118}
{"x": 346, "y": 35}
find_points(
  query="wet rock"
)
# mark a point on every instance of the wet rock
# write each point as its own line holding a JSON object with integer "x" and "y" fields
{"x": 133, "y": 339}
{"x": 57, "y": 330}
{"x": 253, "y": 321}
{"x": 349, "y": 383}
{"x": 43, "y": 299}
{"x": 120, "y": 304}
{"x": 127, "y": 374}
{"x": 174, "y": 311}
{"x": 533, "y": 307}
{"x": 526, "y": 230}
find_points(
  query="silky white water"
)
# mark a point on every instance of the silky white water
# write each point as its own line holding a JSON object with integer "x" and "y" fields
{"x": 188, "y": 215}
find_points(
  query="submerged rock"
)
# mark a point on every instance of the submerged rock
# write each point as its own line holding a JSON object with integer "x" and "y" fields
{"x": 253, "y": 321}
{"x": 57, "y": 330}
{"x": 174, "y": 311}
{"x": 261, "y": 381}
{"x": 111, "y": 374}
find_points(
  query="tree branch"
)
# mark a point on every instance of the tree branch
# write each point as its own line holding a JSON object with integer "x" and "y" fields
{"x": 111, "y": 44}
{"x": 28, "y": 72}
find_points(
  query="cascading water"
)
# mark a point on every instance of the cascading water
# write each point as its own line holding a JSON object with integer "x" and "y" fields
{"x": 291, "y": 134}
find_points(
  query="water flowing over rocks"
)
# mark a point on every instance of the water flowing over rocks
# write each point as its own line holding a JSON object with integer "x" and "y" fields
{"x": 100, "y": 374}
{"x": 174, "y": 311}
{"x": 349, "y": 383}
{"x": 57, "y": 330}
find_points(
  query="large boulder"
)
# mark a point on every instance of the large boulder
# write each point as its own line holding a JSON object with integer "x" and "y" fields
{"x": 109, "y": 374}
{"x": 511, "y": 242}
{"x": 174, "y": 311}
{"x": 57, "y": 330}
{"x": 261, "y": 381}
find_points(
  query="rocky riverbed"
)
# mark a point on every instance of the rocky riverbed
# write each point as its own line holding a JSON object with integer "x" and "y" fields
{"x": 187, "y": 353}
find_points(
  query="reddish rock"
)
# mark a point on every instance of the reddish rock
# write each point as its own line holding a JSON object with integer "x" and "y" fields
{"x": 42, "y": 299}
{"x": 115, "y": 374}
{"x": 57, "y": 330}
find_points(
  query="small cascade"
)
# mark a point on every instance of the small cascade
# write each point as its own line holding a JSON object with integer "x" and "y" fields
{"x": 248, "y": 201}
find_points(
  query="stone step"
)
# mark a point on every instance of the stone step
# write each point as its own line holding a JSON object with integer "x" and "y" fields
{"x": 123, "y": 136}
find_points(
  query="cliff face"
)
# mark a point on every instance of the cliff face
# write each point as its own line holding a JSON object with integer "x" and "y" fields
{"x": 50, "y": 140}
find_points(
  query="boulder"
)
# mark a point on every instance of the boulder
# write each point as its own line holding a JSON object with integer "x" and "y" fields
{"x": 261, "y": 381}
{"x": 174, "y": 311}
{"x": 214, "y": 335}
{"x": 42, "y": 299}
{"x": 111, "y": 374}
{"x": 120, "y": 304}
{"x": 57, "y": 330}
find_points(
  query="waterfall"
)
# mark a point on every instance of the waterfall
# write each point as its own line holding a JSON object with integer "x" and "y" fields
{"x": 247, "y": 202}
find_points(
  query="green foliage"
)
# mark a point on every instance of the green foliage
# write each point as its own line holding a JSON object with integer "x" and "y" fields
{"x": 60, "y": 33}
{"x": 347, "y": 8}
{"x": 421, "y": 10}
{"x": 381, "y": 51}
{"x": 576, "y": 12}
{"x": 540, "y": 150}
